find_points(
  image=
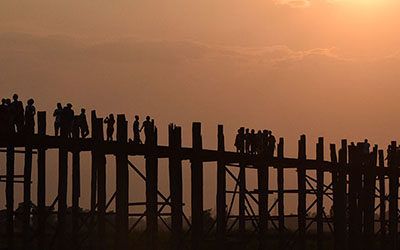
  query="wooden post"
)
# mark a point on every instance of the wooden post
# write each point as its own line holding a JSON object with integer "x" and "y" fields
{"x": 382, "y": 200}
{"x": 320, "y": 194}
{"x": 122, "y": 184}
{"x": 10, "y": 195}
{"x": 335, "y": 175}
{"x": 62, "y": 192}
{"x": 393, "y": 197}
{"x": 369, "y": 197}
{"x": 41, "y": 182}
{"x": 301, "y": 206}
{"x": 175, "y": 184}
{"x": 151, "y": 193}
{"x": 197, "y": 187}
{"x": 262, "y": 174}
{"x": 340, "y": 204}
{"x": 76, "y": 189}
{"x": 93, "y": 182}
{"x": 355, "y": 213}
{"x": 281, "y": 198}
{"x": 221, "y": 190}
{"x": 27, "y": 193}
{"x": 100, "y": 161}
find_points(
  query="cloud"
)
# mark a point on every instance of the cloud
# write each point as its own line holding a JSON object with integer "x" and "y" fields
{"x": 294, "y": 3}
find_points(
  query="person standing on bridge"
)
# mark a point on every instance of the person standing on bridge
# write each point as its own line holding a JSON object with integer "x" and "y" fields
{"x": 148, "y": 127}
{"x": 239, "y": 140}
{"x": 271, "y": 144}
{"x": 4, "y": 118}
{"x": 17, "y": 113}
{"x": 110, "y": 121}
{"x": 30, "y": 112}
{"x": 57, "y": 122}
{"x": 83, "y": 124}
{"x": 136, "y": 131}
{"x": 247, "y": 140}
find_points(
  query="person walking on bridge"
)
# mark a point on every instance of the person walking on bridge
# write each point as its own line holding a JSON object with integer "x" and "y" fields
{"x": 110, "y": 121}
{"x": 30, "y": 112}
{"x": 136, "y": 131}
{"x": 83, "y": 124}
{"x": 17, "y": 113}
{"x": 57, "y": 121}
{"x": 148, "y": 127}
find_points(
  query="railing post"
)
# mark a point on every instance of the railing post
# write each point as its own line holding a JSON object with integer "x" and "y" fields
{"x": 197, "y": 188}
{"x": 175, "y": 185}
{"x": 301, "y": 205}
{"x": 122, "y": 184}
{"x": 221, "y": 190}
{"x": 41, "y": 182}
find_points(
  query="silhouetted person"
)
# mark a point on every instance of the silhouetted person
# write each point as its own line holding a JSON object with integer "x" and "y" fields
{"x": 83, "y": 124}
{"x": 271, "y": 144}
{"x": 76, "y": 124}
{"x": 30, "y": 112}
{"x": 259, "y": 140}
{"x": 17, "y": 114}
{"x": 67, "y": 119}
{"x": 136, "y": 130}
{"x": 239, "y": 140}
{"x": 148, "y": 126}
{"x": 57, "y": 121}
{"x": 110, "y": 121}
{"x": 366, "y": 147}
{"x": 253, "y": 146}
{"x": 3, "y": 118}
{"x": 247, "y": 140}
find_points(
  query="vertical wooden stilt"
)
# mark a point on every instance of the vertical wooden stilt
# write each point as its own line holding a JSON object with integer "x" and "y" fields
{"x": 41, "y": 183}
{"x": 197, "y": 188}
{"x": 393, "y": 197}
{"x": 221, "y": 190}
{"x": 335, "y": 177}
{"x": 175, "y": 184}
{"x": 151, "y": 195}
{"x": 76, "y": 191}
{"x": 100, "y": 161}
{"x": 355, "y": 213}
{"x": 301, "y": 205}
{"x": 382, "y": 200}
{"x": 320, "y": 194}
{"x": 242, "y": 198}
{"x": 27, "y": 195}
{"x": 122, "y": 184}
{"x": 369, "y": 200}
{"x": 10, "y": 196}
{"x": 93, "y": 181}
{"x": 262, "y": 174}
{"x": 62, "y": 194}
{"x": 281, "y": 198}
{"x": 340, "y": 209}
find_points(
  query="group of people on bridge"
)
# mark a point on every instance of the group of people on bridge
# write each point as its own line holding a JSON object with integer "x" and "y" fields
{"x": 74, "y": 126}
{"x": 249, "y": 142}
{"x": 14, "y": 118}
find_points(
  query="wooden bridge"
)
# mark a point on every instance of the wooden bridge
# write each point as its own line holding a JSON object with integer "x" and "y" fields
{"x": 361, "y": 189}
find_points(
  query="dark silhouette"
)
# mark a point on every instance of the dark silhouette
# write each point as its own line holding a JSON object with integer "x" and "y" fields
{"x": 83, "y": 124}
{"x": 67, "y": 119}
{"x": 4, "y": 117}
{"x": 17, "y": 114}
{"x": 30, "y": 112}
{"x": 271, "y": 144}
{"x": 136, "y": 130}
{"x": 253, "y": 140}
{"x": 57, "y": 121}
{"x": 110, "y": 121}
{"x": 247, "y": 140}
{"x": 239, "y": 140}
{"x": 148, "y": 127}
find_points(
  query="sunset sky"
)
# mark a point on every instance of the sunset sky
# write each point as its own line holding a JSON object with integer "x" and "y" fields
{"x": 320, "y": 67}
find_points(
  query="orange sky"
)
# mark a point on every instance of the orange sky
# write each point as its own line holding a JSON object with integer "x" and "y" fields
{"x": 319, "y": 67}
